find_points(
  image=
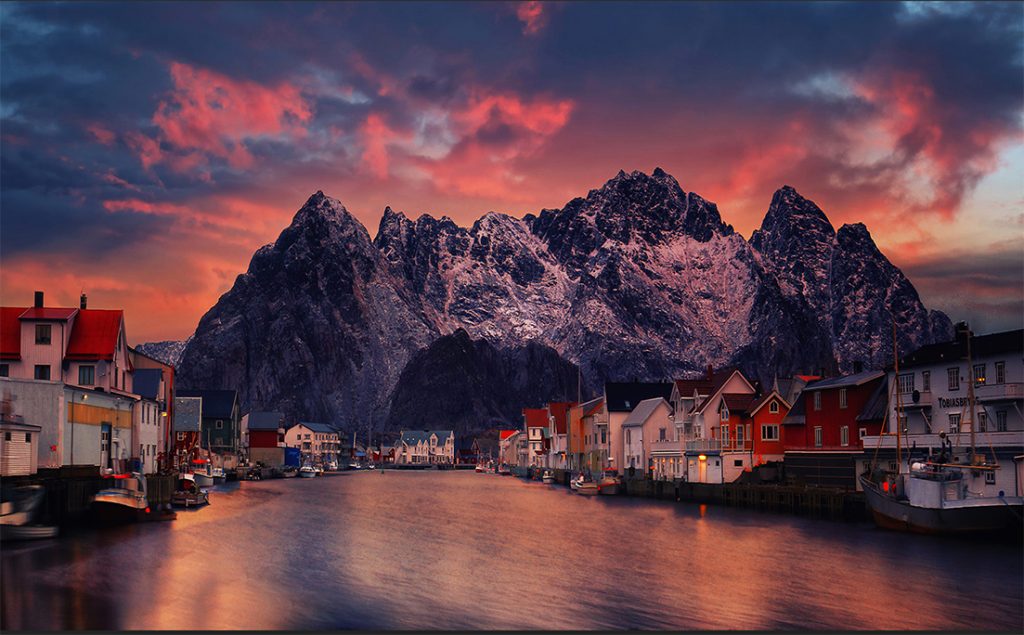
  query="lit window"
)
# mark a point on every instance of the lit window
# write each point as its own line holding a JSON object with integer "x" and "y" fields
{"x": 979, "y": 374}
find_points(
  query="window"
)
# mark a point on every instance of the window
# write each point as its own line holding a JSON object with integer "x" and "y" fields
{"x": 982, "y": 421}
{"x": 28, "y": 437}
{"x": 906, "y": 383}
{"x": 725, "y": 412}
{"x": 42, "y": 372}
{"x": 979, "y": 374}
{"x": 738, "y": 463}
{"x": 954, "y": 423}
{"x": 1000, "y": 372}
{"x": 739, "y": 436}
{"x": 817, "y": 400}
{"x": 181, "y": 436}
{"x": 661, "y": 434}
{"x": 86, "y": 375}
{"x": 628, "y": 436}
{"x": 725, "y": 436}
{"x": 5, "y": 370}
{"x": 220, "y": 424}
{"x": 862, "y": 432}
{"x": 769, "y": 432}
{"x": 842, "y": 398}
{"x": 954, "y": 378}
{"x": 773, "y": 407}
{"x": 817, "y": 436}
{"x": 42, "y": 333}
{"x": 990, "y": 478}
{"x": 926, "y": 381}
{"x": 844, "y": 435}
{"x": 7, "y": 436}
{"x": 1000, "y": 421}
{"x": 602, "y": 436}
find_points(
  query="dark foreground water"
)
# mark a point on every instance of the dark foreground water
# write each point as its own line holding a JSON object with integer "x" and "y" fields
{"x": 460, "y": 550}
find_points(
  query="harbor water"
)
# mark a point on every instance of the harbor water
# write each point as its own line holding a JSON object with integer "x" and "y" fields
{"x": 461, "y": 550}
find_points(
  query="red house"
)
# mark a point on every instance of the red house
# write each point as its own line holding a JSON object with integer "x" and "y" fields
{"x": 536, "y": 423}
{"x": 766, "y": 415}
{"x": 822, "y": 433}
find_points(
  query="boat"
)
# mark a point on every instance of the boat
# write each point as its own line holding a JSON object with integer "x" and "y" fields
{"x": 289, "y": 471}
{"x": 188, "y": 493}
{"x": 504, "y": 470}
{"x": 940, "y": 495}
{"x": 610, "y": 483}
{"x": 203, "y": 472}
{"x": 548, "y": 477}
{"x": 587, "y": 488}
{"x": 480, "y": 468}
{"x": 318, "y": 470}
{"x": 17, "y": 515}
{"x": 218, "y": 475}
{"x": 332, "y": 466}
{"x": 307, "y": 471}
{"x": 124, "y": 501}
{"x": 354, "y": 466}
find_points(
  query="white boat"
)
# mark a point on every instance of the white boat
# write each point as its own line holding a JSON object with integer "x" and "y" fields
{"x": 202, "y": 471}
{"x": 610, "y": 483}
{"x": 319, "y": 470}
{"x": 934, "y": 496}
{"x": 218, "y": 475}
{"x": 587, "y": 488}
{"x": 548, "y": 477}
{"x": 124, "y": 501}
{"x": 307, "y": 471}
{"x": 354, "y": 466}
{"x": 188, "y": 493}
{"x": 332, "y": 466}
{"x": 479, "y": 468}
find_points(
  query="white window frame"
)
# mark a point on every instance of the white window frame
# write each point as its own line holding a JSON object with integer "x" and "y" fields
{"x": 769, "y": 432}
{"x": 906, "y": 383}
{"x": 773, "y": 407}
{"x": 724, "y": 431}
{"x": 1001, "y": 421}
{"x": 1000, "y": 372}
{"x": 818, "y": 437}
{"x": 974, "y": 374}
{"x": 954, "y": 422}
{"x": 844, "y": 436}
{"x": 724, "y": 412}
{"x": 817, "y": 400}
{"x": 953, "y": 378}
{"x": 990, "y": 477}
{"x": 843, "y": 401}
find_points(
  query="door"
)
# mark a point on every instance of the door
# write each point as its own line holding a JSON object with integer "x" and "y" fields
{"x": 702, "y": 471}
{"x": 105, "y": 445}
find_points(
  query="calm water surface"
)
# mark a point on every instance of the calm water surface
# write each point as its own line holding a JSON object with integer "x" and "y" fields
{"x": 460, "y": 550}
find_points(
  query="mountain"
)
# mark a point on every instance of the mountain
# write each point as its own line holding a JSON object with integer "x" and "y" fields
{"x": 432, "y": 322}
{"x": 167, "y": 351}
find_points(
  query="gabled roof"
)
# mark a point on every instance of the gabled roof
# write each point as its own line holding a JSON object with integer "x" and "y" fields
{"x": 47, "y": 313}
{"x": 217, "y": 404}
{"x": 702, "y": 386}
{"x": 146, "y": 382}
{"x": 796, "y": 414}
{"x": 720, "y": 379}
{"x": 94, "y": 334}
{"x": 956, "y": 350}
{"x": 265, "y": 420}
{"x": 10, "y": 332}
{"x": 536, "y": 417}
{"x": 442, "y": 435}
{"x": 643, "y": 411}
{"x": 739, "y": 403}
{"x": 625, "y": 396}
{"x": 846, "y": 381}
{"x": 319, "y": 428}
{"x": 560, "y": 411}
{"x": 504, "y": 434}
{"x": 760, "y": 403}
{"x": 876, "y": 405}
{"x": 592, "y": 407}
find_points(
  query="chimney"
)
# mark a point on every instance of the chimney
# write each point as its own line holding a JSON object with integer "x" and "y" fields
{"x": 83, "y": 302}
{"x": 39, "y": 299}
{"x": 711, "y": 371}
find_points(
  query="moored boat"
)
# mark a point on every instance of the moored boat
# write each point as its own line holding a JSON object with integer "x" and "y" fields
{"x": 17, "y": 515}
{"x": 587, "y": 488}
{"x": 289, "y": 471}
{"x": 610, "y": 483}
{"x": 188, "y": 493}
{"x": 203, "y": 472}
{"x": 307, "y": 471}
{"x": 548, "y": 477}
{"x": 124, "y": 501}
{"x": 504, "y": 470}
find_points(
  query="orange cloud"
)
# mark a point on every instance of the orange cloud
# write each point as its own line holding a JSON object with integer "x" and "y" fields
{"x": 532, "y": 15}
{"x": 208, "y": 114}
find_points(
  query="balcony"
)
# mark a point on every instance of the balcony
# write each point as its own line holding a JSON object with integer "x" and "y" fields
{"x": 999, "y": 392}
{"x": 1012, "y": 438}
{"x": 668, "y": 445}
{"x": 703, "y": 445}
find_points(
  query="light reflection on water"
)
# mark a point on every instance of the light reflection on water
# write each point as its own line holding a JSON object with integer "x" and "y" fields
{"x": 460, "y": 550}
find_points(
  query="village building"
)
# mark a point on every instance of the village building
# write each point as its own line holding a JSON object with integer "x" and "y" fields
{"x": 620, "y": 399}
{"x": 537, "y": 423}
{"x": 186, "y": 427}
{"x": 221, "y": 421}
{"x": 558, "y": 429}
{"x": 508, "y": 447}
{"x": 649, "y": 421}
{"x": 318, "y": 443}
{"x": 824, "y": 431}
{"x": 19, "y": 455}
{"x": 931, "y": 392}
{"x": 263, "y": 437}
{"x": 150, "y": 418}
{"x": 587, "y": 442}
{"x": 425, "y": 447}
{"x": 165, "y": 398}
{"x": 69, "y": 371}
{"x": 719, "y": 449}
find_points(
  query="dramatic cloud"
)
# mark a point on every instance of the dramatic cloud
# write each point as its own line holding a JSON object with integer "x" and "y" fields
{"x": 166, "y": 143}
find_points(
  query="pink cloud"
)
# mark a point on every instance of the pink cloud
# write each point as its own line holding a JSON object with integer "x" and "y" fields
{"x": 101, "y": 134}
{"x": 208, "y": 114}
{"x": 377, "y": 136}
{"x": 532, "y": 15}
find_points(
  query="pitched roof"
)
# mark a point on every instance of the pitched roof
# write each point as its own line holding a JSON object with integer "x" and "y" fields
{"x": 592, "y": 406}
{"x": 625, "y": 396}
{"x": 536, "y": 417}
{"x": 560, "y": 411}
{"x": 846, "y": 381}
{"x": 876, "y": 405}
{"x": 702, "y": 386}
{"x": 217, "y": 404}
{"x": 796, "y": 414}
{"x": 981, "y": 346}
{"x": 265, "y": 420}
{"x": 643, "y": 411}
{"x": 94, "y": 334}
{"x": 759, "y": 403}
{"x": 719, "y": 379}
{"x": 10, "y": 332}
{"x": 504, "y": 434}
{"x": 739, "y": 403}
{"x": 146, "y": 382}
{"x": 47, "y": 313}
{"x": 319, "y": 428}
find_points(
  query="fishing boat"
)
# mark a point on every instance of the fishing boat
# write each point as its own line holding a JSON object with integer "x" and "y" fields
{"x": 587, "y": 488}
{"x": 548, "y": 477}
{"x": 124, "y": 501}
{"x": 307, "y": 471}
{"x": 504, "y": 470}
{"x": 610, "y": 483}
{"x": 332, "y": 466}
{"x": 17, "y": 515}
{"x": 218, "y": 475}
{"x": 354, "y": 466}
{"x": 188, "y": 493}
{"x": 942, "y": 494}
{"x": 202, "y": 471}
{"x": 289, "y": 471}
{"x": 479, "y": 468}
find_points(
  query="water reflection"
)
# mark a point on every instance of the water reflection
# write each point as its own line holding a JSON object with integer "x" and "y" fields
{"x": 461, "y": 550}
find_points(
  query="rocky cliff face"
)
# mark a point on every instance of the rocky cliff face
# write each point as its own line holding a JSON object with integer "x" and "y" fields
{"x": 167, "y": 351}
{"x": 637, "y": 280}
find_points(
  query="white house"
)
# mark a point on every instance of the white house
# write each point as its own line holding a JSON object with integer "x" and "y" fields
{"x": 648, "y": 421}
{"x": 419, "y": 447}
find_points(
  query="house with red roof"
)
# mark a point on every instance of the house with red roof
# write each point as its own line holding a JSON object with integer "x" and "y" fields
{"x": 718, "y": 448}
{"x": 558, "y": 429}
{"x": 537, "y": 425}
{"x": 69, "y": 370}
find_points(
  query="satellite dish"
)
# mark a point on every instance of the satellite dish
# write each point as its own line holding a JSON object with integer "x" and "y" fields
{"x": 916, "y": 396}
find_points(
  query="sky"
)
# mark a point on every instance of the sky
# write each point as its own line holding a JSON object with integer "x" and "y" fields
{"x": 147, "y": 150}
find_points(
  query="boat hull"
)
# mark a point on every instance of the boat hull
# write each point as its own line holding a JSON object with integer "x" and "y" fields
{"x": 27, "y": 532}
{"x": 588, "y": 489}
{"x": 890, "y": 513}
{"x": 203, "y": 480}
{"x": 609, "y": 489}
{"x": 116, "y": 513}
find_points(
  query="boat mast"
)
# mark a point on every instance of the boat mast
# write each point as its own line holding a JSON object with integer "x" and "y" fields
{"x": 970, "y": 392}
{"x": 899, "y": 400}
